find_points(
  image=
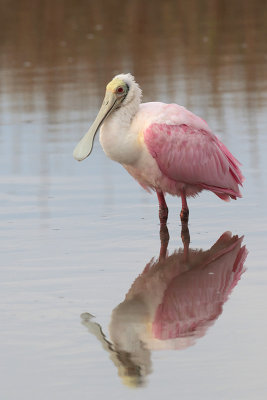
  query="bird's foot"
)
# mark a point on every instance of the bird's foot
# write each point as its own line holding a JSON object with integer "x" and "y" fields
{"x": 184, "y": 215}
{"x": 163, "y": 215}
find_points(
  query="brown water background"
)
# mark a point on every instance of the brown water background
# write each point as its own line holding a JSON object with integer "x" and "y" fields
{"x": 74, "y": 236}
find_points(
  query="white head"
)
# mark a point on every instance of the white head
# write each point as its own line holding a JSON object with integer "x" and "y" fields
{"x": 134, "y": 93}
{"x": 121, "y": 93}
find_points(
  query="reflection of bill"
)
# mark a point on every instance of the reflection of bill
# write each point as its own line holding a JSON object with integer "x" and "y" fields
{"x": 170, "y": 305}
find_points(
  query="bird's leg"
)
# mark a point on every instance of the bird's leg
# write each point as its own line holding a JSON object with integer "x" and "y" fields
{"x": 164, "y": 241}
{"x": 184, "y": 214}
{"x": 163, "y": 209}
{"x": 185, "y": 235}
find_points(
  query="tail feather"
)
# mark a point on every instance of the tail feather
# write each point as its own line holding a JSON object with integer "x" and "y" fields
{"x": 223, "y": 193}
{"x": 234, "y": 163}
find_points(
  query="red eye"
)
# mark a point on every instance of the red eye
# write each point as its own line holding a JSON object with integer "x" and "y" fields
{"x": 120, "y": 90}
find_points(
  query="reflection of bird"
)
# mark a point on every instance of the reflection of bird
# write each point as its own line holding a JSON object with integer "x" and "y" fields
{"x": 164, "y": 146}
{"x": 171, "y": 304}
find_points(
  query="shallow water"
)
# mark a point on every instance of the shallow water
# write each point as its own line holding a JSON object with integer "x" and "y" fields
{"x": 75, "y": 236}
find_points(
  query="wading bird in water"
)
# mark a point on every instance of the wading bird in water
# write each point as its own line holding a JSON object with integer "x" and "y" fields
{"x": 165, "y": 147}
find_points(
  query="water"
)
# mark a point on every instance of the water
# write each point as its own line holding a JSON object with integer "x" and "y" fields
{"x": 75, "y": 236}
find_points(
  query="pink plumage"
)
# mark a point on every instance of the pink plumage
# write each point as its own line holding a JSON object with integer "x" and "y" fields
{"x": 188, "y": 153}
{"x": 165, "y": 147}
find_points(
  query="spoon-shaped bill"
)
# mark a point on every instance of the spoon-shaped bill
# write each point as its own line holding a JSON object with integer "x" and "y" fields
{"x": 85, "y": 145}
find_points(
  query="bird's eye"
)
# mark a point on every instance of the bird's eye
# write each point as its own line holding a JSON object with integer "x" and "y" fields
{"x": 120, "y": 90}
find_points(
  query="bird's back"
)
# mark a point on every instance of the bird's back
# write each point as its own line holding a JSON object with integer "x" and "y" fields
{"x": 170, "y": 114}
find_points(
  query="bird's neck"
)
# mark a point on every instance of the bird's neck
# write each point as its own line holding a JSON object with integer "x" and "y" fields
{"x": 126, "y": 113}
{"x": 118, "y": 139}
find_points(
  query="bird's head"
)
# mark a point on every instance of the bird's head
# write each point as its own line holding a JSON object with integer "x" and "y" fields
{"x": 121, "y": 91}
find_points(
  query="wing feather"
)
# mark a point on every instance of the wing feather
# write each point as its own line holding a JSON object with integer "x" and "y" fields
{"x": 194, "y": 156}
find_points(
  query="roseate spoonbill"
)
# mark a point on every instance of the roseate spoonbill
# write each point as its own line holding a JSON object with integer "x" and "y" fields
{"x": 165, "y": 147}
{"x": 170, "y": 305}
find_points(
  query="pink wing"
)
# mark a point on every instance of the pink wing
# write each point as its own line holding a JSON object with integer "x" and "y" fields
{"x": 191, "y": 155}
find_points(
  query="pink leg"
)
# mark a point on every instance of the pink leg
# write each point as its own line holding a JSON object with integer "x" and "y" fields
{"x": 163, "y": 209}
{"x": 184, "y": 215}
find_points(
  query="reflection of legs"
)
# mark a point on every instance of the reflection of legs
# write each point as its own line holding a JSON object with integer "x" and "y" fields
{"x": 163, "y": 209}
{"x": 185, "y": 235}
{"x": 184, "y": 215}
{"x": 164, "y": 241}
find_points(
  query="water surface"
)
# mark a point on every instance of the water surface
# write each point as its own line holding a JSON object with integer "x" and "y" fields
{"x": 75, "y": 236}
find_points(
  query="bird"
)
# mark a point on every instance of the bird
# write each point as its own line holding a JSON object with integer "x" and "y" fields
{"x": 165, "y": 147}
{"x": 170, "y": 305}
